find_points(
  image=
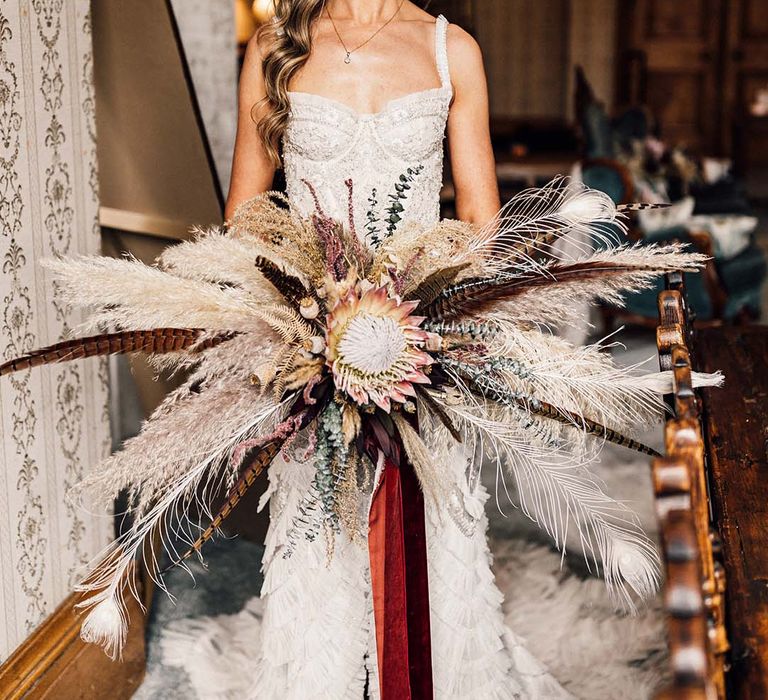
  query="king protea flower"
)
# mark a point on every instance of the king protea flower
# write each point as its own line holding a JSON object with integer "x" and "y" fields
{"x": 374, "y": 347}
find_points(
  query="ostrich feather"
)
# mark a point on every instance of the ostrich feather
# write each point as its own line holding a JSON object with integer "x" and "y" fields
{"x": 582, "y": 379}
{"x": 169, "y": 518}
{"x": 481, "y": 381}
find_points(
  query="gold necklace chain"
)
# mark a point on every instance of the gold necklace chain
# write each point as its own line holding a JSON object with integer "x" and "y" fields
{"x": 348, "y": 57}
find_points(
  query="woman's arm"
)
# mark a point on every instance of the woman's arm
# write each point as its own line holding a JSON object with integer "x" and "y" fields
{"x": 469, "y": 135}
{"x": 252, "y": 171}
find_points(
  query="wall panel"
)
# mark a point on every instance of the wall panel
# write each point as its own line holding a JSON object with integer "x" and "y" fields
{"x": 532, "y": 46}
{"x": 207, "y": 29}
{"x": 54, "y": 421}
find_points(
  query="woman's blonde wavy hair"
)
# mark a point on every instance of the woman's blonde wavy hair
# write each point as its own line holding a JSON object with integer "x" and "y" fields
{"x": 288, "y": 42}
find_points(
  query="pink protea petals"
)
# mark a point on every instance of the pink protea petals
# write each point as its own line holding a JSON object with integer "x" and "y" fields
{"x": 419, "y": 378}
{"x": 405, "y": 309}
{"x": 374, "y": 347}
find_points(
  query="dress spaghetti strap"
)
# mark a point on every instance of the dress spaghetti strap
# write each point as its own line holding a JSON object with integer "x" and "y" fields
{"x": 441, "y": 51}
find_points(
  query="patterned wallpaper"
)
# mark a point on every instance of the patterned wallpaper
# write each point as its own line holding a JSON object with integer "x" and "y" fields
{"x": 54, "y": 421}
{"x": 207, "y": 29}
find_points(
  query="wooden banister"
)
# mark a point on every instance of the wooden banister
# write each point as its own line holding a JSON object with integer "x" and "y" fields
{"x": 693, "y": 595}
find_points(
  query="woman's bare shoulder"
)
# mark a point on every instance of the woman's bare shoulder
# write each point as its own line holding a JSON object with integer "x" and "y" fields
{"x": 461, "y": 43}
{"x": 261, "y": 42}
{"x": 464, "y": 53}
{"x": 252, "y": 74}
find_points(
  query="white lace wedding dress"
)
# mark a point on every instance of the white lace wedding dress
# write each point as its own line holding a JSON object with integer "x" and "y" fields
{"x": 316, "y": 638}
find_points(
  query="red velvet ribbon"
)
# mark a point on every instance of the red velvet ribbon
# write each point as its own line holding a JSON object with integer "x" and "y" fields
{"x": 398, "y": 553}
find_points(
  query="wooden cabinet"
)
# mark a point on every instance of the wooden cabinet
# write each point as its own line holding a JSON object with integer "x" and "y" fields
{"x": 745, "y": 79}
{"x": 701, "y": 66}
{"x": 669, "y": 62}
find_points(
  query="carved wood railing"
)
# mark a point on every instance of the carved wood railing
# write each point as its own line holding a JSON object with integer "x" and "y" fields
{"x": 695, "y": 581}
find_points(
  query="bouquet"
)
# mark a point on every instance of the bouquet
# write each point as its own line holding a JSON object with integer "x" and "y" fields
{"x": 296, "y": 337}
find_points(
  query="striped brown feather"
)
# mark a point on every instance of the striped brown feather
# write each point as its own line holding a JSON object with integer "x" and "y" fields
{"x": 591, "y": 427}
{"x": 263, "y": 459}
{"x": 306, "y": 410}
{"x": 441, "y": 413}
{"x": 288, "y": 285}
{"x": 489, "y": 388}
{"x": 430, "y": 288}
{"x": 475, "y": 295}
{"x": 157, "y": 341}
{"x": 640, "y": 206}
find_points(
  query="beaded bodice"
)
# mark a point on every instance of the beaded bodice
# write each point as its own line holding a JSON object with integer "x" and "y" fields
{"x": 393, "y": 159}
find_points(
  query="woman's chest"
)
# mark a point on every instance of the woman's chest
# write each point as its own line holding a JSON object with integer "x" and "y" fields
{"x": 409, "y": 129}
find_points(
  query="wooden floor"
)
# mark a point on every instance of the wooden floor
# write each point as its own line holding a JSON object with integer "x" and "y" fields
{"x": 736, "y": 427}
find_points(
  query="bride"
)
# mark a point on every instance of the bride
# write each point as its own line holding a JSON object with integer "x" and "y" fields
{"x": 358, "y": 96}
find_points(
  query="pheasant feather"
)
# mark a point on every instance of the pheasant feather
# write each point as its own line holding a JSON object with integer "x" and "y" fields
{"x": 290, "y": 287}
{"x": 260, "y": 462}
{"x": 157, "y": 341}
{"x": 623, "y": 268}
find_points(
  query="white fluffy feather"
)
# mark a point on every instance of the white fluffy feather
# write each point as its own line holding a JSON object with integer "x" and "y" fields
{"x": 558, "y": 492}
{"x": 213, "y": 256}
{"x": 170, "y": 518}
{"x": 561, "y": 207}
{"x": 584, "y": 379}
{"x": 131, "y": 295}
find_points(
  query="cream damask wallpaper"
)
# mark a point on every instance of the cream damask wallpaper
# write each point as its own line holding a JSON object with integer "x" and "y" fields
{"x": 53, "y": 421}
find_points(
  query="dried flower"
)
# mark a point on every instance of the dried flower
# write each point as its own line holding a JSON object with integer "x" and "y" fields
{"x": 374, "y": 347}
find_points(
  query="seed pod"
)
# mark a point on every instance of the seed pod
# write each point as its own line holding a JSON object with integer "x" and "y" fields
{"x": 309, "y": 308}
{"x": 434, "y": 342}
{"x": 315, "y": 345}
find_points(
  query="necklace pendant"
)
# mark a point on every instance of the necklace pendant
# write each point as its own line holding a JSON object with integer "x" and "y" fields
{"x": 348, "y": 58}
